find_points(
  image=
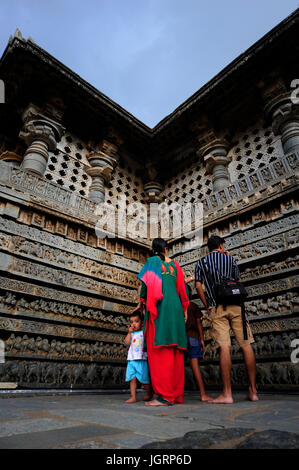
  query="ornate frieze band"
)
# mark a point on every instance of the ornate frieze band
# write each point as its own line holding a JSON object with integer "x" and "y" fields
{"x": 258, "y": 233}
{"x": 277, "y": 325}
{"x": 284, "y": 268}
{"x": 245, "y": 232}
{"x": 47, "y": 374}
{"x": 249, "y": 226}
{"x": 60, "y": 311}
{"x": 75, "y": 248}
{"x": 63, "y": 278}
{"x": 27, "y": 326}
{"x": 15, "y": 285}
{"x": 268, "y": 375}
{"x": 77, "y": 205}
{"x": 74, "y": 263}
{"x": 276, "y": 305}
{"x": 41, "y": 348}
{"x": 43, "y": 190}
{"x": 278, "y": 285}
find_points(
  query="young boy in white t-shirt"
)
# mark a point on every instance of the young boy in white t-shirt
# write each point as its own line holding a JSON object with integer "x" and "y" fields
{"x": 137, "y": 368}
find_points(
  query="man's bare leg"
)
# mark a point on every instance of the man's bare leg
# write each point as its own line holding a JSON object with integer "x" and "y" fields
{"x": 133, "y": 387}
{"x": 225, "y": 368}
{"x": 249, "y": 359}
{"x": 198, "y": 377}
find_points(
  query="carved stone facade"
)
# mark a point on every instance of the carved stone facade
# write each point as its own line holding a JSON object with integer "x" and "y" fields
{"x": 65, "y": 293}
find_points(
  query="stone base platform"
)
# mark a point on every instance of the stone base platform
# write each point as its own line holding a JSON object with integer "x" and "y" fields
{"x": 105, "y": 421}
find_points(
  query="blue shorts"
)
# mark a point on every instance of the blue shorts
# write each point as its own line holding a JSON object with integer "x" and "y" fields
{"x": 194, "y": 349}
{"x": 138, "y": 369}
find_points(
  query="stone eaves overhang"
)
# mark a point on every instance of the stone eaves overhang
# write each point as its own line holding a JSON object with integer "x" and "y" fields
{"x": 228, "y": 100}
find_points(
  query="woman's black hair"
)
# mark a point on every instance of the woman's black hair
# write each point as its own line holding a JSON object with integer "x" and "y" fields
{"x": 158, "y": 247}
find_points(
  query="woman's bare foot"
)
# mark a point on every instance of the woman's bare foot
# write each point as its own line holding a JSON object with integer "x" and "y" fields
{"x": 131, "y": 400}
{"x": 222, "y": 399}
{"x": 205, "y": 398}
{"x": 156, "y": 403}
{"x": 147, "y": 397}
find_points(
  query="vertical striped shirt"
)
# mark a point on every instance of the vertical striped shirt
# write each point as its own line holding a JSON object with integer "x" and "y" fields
{"x": 212, "y": 269}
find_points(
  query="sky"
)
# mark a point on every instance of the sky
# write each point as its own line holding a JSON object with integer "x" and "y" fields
{"x": 149, "y": 56}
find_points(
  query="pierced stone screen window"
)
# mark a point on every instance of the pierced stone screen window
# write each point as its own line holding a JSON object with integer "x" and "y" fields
{"x": 66, "y": 165}
{"x": 190, "y": 185}
{"x": 125, "y": 182}
{"x": 253, "y": 149}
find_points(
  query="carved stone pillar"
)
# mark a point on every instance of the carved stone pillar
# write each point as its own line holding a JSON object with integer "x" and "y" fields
{"x": 282, "y": 112}
{"x": 41, "y": 134}
{"x": 153, "y": 191}
{"x": 102, "y": 162}
{"x": 285, "y": 121}
{"x": 213, "y": 150}
{"x": 152, "y": 187}
{"x": 216, "y": 160}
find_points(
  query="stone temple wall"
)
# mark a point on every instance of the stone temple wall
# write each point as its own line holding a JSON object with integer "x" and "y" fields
{"x": 65, "y": 294}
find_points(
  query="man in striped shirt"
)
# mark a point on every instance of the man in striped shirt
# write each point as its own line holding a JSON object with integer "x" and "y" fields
{"x": 210, "y": 270}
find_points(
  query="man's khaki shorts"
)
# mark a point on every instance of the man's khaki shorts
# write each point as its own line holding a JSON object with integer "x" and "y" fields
{"x": 222, "y": 320}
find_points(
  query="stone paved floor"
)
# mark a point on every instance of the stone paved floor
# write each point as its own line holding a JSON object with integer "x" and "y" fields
{"x": 105, "y": 421}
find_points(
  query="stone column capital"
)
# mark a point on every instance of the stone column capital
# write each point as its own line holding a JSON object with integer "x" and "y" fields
{"x": 283, "y": 112}
{"x": 212, "y": 159}
{"x": 41, "y": 134}
{"x": 280, "y": 110}
{"x": 38, "y": 131}
{"x": 41, "y": 127}
{"x": 153, "y": 190}
{"x": 214, "y": 154}
{"x": 217, "y": 147}
{"x": 208, "y": 138}
{"x": 152, "y": 187}
{"x": 103, "y": 159}
{"x": 101, "y": 168}
{"x": 213, "y": 149}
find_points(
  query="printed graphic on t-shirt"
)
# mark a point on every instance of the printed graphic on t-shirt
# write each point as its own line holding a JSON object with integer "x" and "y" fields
{"x": 136, "y": 347}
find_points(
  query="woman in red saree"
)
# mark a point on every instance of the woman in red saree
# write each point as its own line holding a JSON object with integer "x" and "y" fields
{"x": 164, "y": 296}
